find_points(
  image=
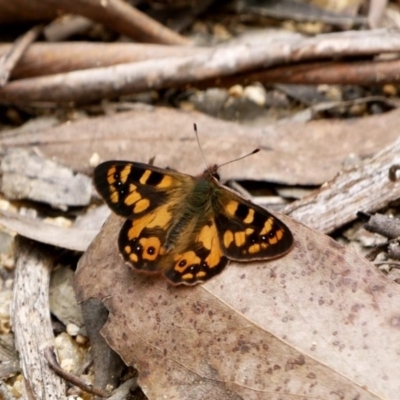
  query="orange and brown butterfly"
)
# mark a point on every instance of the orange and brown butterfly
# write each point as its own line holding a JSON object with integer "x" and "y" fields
{"x": 186, "y": 228}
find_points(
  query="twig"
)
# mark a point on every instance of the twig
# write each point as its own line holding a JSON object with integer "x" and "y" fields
{"x": 332, "y": 73}
{"x": 384, "y": 225}
{"x": 392, "y": 172}
{"x": 395, "y": 264}
{"x": 54, "y": 58}
{"x": 16, "y": 51}
{"x": 31, "y": 318}
{"x": 76, "y": 381}
{"x": 341, "y": 198}
{"x": 121, "y": 17}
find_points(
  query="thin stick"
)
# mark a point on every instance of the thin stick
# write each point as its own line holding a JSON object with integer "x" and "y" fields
{"x": 9, "y": 60}
{"x": 51, "y": 359}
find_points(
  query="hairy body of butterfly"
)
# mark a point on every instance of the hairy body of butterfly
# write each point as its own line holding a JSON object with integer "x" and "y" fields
{"x": 185, "y": 227}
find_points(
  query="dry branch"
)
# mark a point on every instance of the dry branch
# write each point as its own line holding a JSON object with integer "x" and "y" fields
{"x": 99, "y": 83}
{"x": 121, "y": 17}
{"x": 365, "y": 188}
{"x": 11, "y": 58}
{"x": 330, "y": 73}
{"x": 50, "y": 58}
{"x": 31, "y": 319}
{"x": 115, "y": 14}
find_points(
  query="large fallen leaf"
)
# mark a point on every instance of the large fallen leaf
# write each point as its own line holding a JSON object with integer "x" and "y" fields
{"x": 292, "y": 153}
{"x": 319, "y": 323}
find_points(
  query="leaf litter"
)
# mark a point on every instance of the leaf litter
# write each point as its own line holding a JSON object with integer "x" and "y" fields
{"x": 313, "y": 324}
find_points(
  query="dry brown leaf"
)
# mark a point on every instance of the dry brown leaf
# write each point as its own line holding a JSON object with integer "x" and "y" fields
{"x": 293, "y": 153}
{"x": 321, "y": 322}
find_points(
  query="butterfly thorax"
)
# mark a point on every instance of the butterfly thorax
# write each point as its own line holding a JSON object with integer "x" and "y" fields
{"x": 196, "y": 211}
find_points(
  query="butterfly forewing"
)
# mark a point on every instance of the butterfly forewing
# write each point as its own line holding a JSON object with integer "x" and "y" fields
{"x": 249, "y": 232}
{"x": 134, "y": 189}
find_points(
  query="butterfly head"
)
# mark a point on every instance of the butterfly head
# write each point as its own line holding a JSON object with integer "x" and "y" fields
{"x": 212, "y": 173}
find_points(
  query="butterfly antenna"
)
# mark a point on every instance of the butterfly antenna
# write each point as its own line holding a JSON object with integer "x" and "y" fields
{"x": 201, "y": 150}
{"x": 239, "y": 158}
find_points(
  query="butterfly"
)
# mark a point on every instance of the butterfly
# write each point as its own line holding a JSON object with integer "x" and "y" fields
{"x": 183, "y": 227}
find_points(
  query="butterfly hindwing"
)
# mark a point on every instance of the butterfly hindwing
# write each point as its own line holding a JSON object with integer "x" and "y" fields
{"x": 142, "y": 243}
{"x": 249, "y": 232}
{"x": 142, "y": 240}
{"x": 198, "y": 259}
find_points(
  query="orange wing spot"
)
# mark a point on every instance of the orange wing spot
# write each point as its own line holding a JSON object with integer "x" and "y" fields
{"x": 151, "y": 247}
{"x": 201, "y": 274}
{"x": 278, "y": 236}
{"x": 228, "y": 238}
{"x": 125, "y": 173}
{"x": 133, "y": 257}
{"x": 207, "y": 235}
{"x": 214, "y": 258}
{"x": 110, "y": 175}
{"x": 267, "y": 226}
{"x": 240, "y": 238}
{"x": 249, "y": 231}
{"x": 187, "y": 277}
{"x": 132, "y": 198}
{"x": 231, "y": 207}
{"x": 255, "y": 248}
{"x": 273, "y": 240}
{"x": 138, "y": 225}
{"x": 165, "y": 182}
{"x": 128, "y": 249}
{"x": 141, "y": 205}
{"x": 114, "y": 196}
{"x": 132, "y": 188}
{"x": 145, "y": 176}
{"x": 161, "y": 218}
{"x": 185, "y": 260}
{"x": 250, "y": 217}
